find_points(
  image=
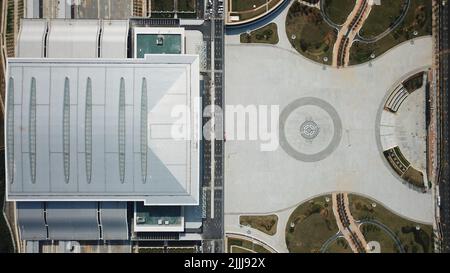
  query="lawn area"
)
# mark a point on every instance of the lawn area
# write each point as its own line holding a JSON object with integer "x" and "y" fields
{"x": 267, "y": 34}
{"x": 263, "y": 223}
{"x": 246, "y": 11}
{"x": 339, "y": 246}
{"x": 249, "y": 15}
{"x": 243, "y": 245}
{"x": 403, "y": 168}
{"x": 417, "y": 19}
{"x": 162, "y": 5}
{"x": 243, "y": 5}
{"x": 414, "y": 82}
{"x": 313, "y": 37}
{"x": 381, "y": 17}
{"x": 181, "y": 250}
{"x": 415, "y": 177}
{"x": 186, "y": 5}
{"x": 163, "y": 15}
{"x": 151, "y": 250}
{"x": 338, "y": 10}
{"x": 413, "y": 240}
{"x": 374, "y": 233}
{"x": 313, "y": 223}
{"x": 239, "y": 249}
{"x": 273, "y": 3}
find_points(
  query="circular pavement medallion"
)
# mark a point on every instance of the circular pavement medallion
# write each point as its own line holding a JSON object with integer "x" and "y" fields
{"x": 310, "y": 129}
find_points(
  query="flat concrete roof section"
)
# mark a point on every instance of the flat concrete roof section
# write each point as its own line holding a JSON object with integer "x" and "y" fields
{"x": 101, "y": 130}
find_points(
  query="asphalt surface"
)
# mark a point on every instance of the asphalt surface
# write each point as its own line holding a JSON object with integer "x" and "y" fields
{"x": 444, "y": 171}
{"x": 213, "y": 222}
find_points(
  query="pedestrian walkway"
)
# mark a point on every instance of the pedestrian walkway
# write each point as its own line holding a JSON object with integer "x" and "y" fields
{"x": 348, "y": 32}
{"x": 347, "y": 224}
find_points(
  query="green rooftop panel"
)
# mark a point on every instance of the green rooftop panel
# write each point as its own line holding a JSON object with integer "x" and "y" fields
{"x": 155, "y": 216}
{"x": 158, "y": 44}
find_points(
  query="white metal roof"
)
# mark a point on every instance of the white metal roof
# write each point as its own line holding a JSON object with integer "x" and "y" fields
{"x": 72, "y": 221}
{"x": 114, "y": 39}
{"x": 31, "y": 220}
{"x": 73, "y": 39}
{"x": 113, "y": 217}
{"x": 75, "y": 140}
{"x": 30, "y": 41}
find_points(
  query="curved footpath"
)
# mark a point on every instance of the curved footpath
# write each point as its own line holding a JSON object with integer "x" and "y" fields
{"x": 329, "y": 241}
{"x": 387, "y": 230}
{"x": 248, "y": 237}
{"x": 348, "y": 32}
{"x": 347, "y": 224}
{"x": 397, "y": 22}
{"x": 327, "y": 19}
{"x": 277, "y": 241}
{"x": 260, "y": 22}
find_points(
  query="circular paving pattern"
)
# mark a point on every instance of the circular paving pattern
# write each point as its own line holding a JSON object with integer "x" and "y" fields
{"x": 319, "y": 125}
{"x": 309, "y": 129}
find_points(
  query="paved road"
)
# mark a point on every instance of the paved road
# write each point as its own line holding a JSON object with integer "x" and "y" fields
{"x": 213, "y": 224}
{"x": 444, "y": 172}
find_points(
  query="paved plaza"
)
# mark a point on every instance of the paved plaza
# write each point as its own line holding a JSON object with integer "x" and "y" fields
{"x": 328, "y": 129}
{"x": 407, "y": 129}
